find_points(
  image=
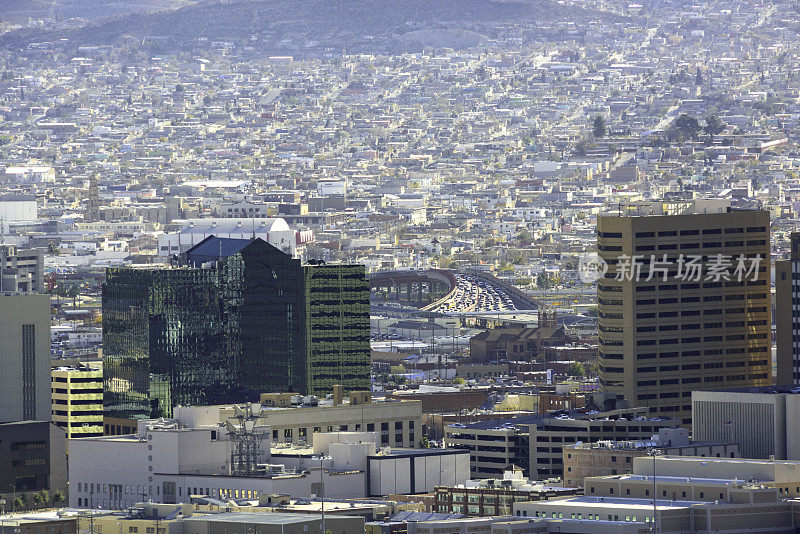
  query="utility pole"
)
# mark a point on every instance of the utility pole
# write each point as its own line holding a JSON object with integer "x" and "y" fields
{"x": 322, "y": 493}
{"x": 655, "y": 497}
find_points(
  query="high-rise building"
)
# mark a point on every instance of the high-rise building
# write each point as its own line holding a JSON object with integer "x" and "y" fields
{"x": 234, "y": 318}
{"x": 787, "y": 315}
{"x": 684, "y": 303}
{"x": 78, "y": 400}
{"x": 24, "y": 357}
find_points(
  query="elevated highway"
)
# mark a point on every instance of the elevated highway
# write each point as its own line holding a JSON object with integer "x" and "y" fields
{"x": 442, "y": 292}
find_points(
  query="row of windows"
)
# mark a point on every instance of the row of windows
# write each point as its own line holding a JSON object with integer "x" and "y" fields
{"x": 690, "y": 313}
{"x": 707, "y": 231}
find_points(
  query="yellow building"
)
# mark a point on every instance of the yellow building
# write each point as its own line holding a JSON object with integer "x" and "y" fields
{"x": 77, "y": 400}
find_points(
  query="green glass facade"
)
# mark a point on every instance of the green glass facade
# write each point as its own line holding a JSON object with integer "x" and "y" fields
{"x": 234, "y": 319}
{"x": 337, "y": 303}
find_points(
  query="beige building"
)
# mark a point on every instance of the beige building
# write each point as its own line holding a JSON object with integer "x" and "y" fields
{"x": 693, "y": 494}
{"x": 685, "y": 302}
{"x": 151, "y": 518}
{"x": 698, "y": 479}
{"x": 750, "y": 510}
{"x": 77, "y": 400}
{"x": 605, "y": 458}
{"x": 398, "y": 423}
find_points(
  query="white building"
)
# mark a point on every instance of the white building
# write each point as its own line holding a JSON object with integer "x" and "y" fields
{"x": 30, "y": 174}
{"x": 329, "y": 187}
{"x": 15, "y": 208}
{"x": 274, "y": 231}
{"x": 168, "y": 461}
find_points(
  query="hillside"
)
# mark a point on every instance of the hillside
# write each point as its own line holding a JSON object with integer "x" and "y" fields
{"x": 329, "y": 22}
{"x": 19, "y": 11}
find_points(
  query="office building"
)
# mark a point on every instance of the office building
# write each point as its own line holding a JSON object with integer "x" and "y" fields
{"x": 21, "y": 270}
{"x": 149, "y": 517}
{"x": 77, "y": 396}
{"x": 787, "y": 315}
{"x": 764, "y": 421}
{"x": 398, "y": 424}
{"x": 24, "y": 357}
{"x": 488, "y": 497}
{"x": 693, "y": 494}
{"x": 172, "y": 460}
{"x": 33, "y": 457}
{"x": 536, "y": 443}
{"x": 233, "y": 319}
{"x": 607, "y": 458}
{"x": 36, "y": 522}
{"x": 684, "y": 304}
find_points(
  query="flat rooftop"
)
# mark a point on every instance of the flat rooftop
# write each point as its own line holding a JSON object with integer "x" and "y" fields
{"x": 256, "y": 517}
{"x": 644, "y": 505}
{"x": 794, "y": 390}
{"x": 676, "y": 480}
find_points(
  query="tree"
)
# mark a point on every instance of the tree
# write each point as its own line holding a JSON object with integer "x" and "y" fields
{"x": 687, "y": 126}
{"x": 543, "y": 281}
{"x": 179, "y": 88}
{"x": 576, "y": 370}
{"x": 713, "y": 126}
{"x": 52, "y": 249}
{"x": 599, "y": 126}
{"x": 58, "y": 497}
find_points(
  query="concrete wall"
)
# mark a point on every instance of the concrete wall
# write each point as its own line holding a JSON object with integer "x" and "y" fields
{"x": 16, "y": 311}
{"x": 391, "y": 474}
{"x": 757, "y": 421}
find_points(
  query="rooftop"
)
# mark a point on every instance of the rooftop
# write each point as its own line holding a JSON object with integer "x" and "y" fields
{"x": 645, "y": 505}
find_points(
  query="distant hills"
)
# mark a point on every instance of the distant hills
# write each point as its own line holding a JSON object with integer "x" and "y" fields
{"x": 19, "y": 11}
{"x": 363, "y": 23}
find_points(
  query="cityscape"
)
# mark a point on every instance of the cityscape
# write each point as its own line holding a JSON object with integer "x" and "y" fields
{"x": 399, "y": 266}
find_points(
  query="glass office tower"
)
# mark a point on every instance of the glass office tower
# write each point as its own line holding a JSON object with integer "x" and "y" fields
{"x": 234, "y": 318}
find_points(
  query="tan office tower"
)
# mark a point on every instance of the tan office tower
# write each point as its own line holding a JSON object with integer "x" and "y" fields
{"x": 787, "y": 318}
{"x": 685, "y": 302}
